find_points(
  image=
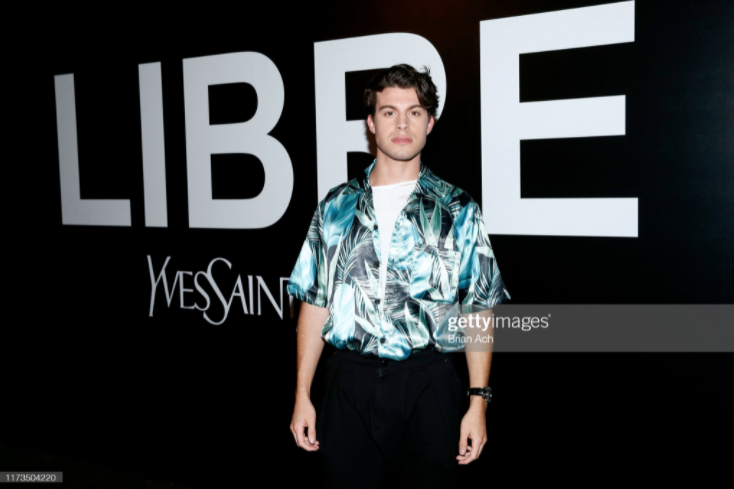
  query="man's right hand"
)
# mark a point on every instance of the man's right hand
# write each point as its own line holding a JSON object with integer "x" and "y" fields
{"x": 309, "y": 346}
{"x": 304, "y": 416}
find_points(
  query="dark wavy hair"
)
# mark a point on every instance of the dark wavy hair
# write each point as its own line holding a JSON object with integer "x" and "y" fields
{"x": 403, "y": 76}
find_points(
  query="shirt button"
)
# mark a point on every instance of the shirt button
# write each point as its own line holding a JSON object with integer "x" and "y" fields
{"x": 382, "y": 340}
{"x": 375, "y": 227}
{"x": 377, "y": 302}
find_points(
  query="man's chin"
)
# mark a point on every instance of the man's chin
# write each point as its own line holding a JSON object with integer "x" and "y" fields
{"x": 401, "y": 155}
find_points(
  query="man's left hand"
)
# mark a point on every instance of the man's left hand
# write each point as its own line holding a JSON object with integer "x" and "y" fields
{"x": 474, "y": 428}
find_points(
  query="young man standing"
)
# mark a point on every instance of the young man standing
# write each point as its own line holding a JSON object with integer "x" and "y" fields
{"x": 391, "y": 260}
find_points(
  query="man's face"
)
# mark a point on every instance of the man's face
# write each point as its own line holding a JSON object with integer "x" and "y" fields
{"x": 400, "y": 124}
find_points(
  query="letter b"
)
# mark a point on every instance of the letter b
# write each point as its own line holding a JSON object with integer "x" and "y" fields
{"x": 251, "y": 137}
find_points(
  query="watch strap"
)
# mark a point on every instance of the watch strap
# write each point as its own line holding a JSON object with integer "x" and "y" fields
{"x": 485, "y": 392}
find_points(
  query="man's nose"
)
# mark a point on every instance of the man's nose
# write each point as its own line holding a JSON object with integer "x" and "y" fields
{"x": 403, "y": 122}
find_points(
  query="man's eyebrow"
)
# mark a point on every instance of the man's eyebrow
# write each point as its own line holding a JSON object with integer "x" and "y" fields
{"x": 395, "y": 108}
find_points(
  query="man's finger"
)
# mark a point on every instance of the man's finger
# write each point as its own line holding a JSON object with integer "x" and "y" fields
{"x": 471, "y": 452}
{"x": 312, "y": 431}
{"x": 467, "y": 453}
{"x": 463, "y": 443}
{"x": 481, "y": 446}
{"x": 311, "y": 435}
{"x": 293, "y": 432}
{"x": 302, "y": 442}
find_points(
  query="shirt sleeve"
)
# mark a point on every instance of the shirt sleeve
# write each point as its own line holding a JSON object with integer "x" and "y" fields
{"x": 480, "y": 282}
{"x": 307, "y": 282}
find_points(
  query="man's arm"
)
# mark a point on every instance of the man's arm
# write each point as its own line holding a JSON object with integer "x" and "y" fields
{"x": 478, "y": 360}
{"x": 309, "y": 346}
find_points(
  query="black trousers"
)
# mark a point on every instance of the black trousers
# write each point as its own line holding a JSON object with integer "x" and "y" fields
{"x": 386, "y": 423}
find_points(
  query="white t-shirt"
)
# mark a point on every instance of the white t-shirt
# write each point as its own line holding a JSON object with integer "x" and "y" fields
{"x": 389, "y": 200}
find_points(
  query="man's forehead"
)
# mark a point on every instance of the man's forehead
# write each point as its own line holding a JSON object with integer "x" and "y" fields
{"x": 397, "y": 96}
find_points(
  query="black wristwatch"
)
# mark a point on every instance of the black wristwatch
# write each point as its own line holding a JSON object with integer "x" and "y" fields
{"x": 485, "y": 392}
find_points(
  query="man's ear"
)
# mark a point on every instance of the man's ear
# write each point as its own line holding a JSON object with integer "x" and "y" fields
{"x": 371, "y": 123}
{"x": 431, "y": 122}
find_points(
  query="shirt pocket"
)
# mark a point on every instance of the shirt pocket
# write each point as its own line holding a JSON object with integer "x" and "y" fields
{"x": 434, "y": 274}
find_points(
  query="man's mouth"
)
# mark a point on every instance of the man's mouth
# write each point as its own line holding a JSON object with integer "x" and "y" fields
{"x": 402, "y": 140}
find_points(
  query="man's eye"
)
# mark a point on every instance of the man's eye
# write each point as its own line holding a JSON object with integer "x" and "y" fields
{"x": 389, "y": 112}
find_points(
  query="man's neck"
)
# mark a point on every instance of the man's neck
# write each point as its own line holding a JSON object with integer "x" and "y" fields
{"x": 388, "y": 171}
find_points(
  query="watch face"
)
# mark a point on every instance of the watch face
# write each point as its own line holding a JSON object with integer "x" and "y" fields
{"x": 487, "y": 394}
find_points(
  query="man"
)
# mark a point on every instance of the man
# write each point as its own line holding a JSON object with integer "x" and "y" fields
{"x": 391, "y": 260}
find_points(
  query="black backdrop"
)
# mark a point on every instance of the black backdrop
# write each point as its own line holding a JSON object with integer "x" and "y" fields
{"x": 87, "y": 372}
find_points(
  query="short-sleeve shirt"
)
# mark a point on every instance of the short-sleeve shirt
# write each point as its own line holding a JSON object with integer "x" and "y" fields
{"x": 440, "y": 264}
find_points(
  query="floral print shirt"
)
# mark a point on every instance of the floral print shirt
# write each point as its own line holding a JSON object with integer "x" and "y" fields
{"x": 440, "y": 265}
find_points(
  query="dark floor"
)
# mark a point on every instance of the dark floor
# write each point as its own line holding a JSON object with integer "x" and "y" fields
{"x": 77, "y": 473}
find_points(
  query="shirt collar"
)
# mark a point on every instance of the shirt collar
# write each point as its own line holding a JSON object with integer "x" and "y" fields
{"x": 424, "y": 173}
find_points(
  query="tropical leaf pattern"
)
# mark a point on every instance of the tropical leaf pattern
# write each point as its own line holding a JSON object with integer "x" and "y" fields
{"x": 440, "y": 265}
